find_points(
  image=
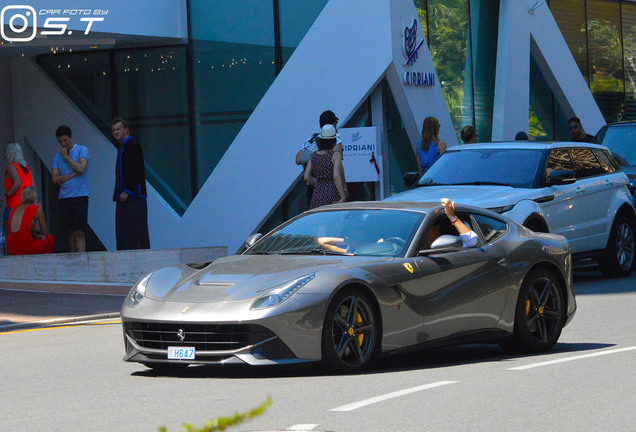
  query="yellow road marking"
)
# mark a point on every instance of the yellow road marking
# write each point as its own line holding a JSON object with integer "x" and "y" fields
{"x": 54, "y": 327}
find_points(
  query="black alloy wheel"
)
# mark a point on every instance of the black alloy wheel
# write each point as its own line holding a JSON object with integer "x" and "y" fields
{"x": 540, "y": 313}
{"x": 349, "y": 334}
{"x": 619, "y": 253}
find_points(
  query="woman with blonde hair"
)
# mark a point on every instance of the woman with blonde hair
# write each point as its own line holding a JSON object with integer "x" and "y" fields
{"x": 430, "y": 147}
{"x": 17, "y": 176}
{"x": 28, "y": 232}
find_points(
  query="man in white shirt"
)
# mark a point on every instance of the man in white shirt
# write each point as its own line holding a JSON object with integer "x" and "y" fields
{"x": 468, "y": 237}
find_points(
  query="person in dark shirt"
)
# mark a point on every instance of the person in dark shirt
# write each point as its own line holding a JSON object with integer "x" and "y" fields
{"x": 577, "y": 131}
{"x": 131, "y": 212}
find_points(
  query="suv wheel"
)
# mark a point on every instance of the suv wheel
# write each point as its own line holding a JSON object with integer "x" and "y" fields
{"x": 619, "y": 253}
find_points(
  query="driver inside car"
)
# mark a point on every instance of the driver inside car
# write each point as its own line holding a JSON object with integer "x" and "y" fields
{"x": 358, "y": 237}
{"x": 468, "y": 237}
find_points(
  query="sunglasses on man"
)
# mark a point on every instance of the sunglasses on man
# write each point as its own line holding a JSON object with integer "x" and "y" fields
{"x": 573, "y": 127}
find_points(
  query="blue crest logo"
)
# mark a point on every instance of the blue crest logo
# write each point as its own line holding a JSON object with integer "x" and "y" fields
{"x": 411, "y": 45}
{"x": 356, "y": 136}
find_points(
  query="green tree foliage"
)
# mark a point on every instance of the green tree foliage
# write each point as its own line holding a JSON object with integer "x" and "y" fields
{"x": 606, "y": 56}
{"x": 448, "y": 41}
{"x": 221, "y": 423}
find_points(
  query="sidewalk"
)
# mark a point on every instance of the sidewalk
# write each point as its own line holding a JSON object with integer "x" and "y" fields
{"x": 41, "y": 290}
{"x": 28, "y": 304}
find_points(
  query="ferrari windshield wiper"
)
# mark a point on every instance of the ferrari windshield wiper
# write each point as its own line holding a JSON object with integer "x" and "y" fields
{"x": 310, "y": 252}
{"x": 480, "y": 183}
{"x": 260, "y": 252}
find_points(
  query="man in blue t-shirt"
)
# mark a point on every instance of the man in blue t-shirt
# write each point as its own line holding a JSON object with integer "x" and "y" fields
{"x": 70, "y": 170}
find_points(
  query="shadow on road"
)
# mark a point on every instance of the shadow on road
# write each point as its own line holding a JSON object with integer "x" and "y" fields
{"x": 420, "y": 360}
{"x": 590, "y": 280}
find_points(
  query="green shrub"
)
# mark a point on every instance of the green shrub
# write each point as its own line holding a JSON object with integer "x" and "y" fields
{"x": 220, "y": 423}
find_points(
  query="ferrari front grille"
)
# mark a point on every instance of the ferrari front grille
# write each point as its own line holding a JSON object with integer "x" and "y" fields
{"x": 204, "y": 337}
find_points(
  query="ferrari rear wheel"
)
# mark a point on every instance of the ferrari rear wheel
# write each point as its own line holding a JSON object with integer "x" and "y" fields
{"x": 540, "y": 313}
{"x": 349, "y": 333}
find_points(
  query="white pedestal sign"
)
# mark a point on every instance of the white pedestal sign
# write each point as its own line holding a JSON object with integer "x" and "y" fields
{"x": 362, "y": 156}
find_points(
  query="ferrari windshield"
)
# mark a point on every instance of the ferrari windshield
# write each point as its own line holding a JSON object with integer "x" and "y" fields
{"x": 366, "y": 232}
{"x": 519, "y": 168}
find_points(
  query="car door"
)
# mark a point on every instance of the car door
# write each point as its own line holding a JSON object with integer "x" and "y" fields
{"x": 465, "y": 290}
{"x": 599, "y": 187}
{"x": 565, "y": 213}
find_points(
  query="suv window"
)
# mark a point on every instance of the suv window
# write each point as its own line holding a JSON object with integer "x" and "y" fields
{"x": 605, "y": 161}
{"x": 491, "y": 228}
{"x": 586, "y": 163}
{"x": 559, "y": 159}
{"x": 619, "y": 139}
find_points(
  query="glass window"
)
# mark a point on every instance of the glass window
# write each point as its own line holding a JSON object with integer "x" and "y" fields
{"x": 570, "y": 17}
{"x": 512, "y": 167}
{"x": 233, "y": 58}
{"x": 491, "y": 228}
{"x": 448, "y": 40}
{"x": 351, "y": 232}
{"x": 586, "y": 164}
{"x": 605, "y": 161}
{"x": 401, "y": 153}
{"x": 559, "y": 159}
{"x": 158, "y": 119}
{"x": 296, "y": 17}
{"x": 85, "y": 78}
{"x": 606, "y": 57}
{"x": 619, "y": 140}
{"x": 629, "y": 52}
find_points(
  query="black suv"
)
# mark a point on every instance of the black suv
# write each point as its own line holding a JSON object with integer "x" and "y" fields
{"x": 620, "y": 138}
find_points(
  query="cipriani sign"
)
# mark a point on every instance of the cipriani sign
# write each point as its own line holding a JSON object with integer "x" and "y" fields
{"x": 410, "y": 47}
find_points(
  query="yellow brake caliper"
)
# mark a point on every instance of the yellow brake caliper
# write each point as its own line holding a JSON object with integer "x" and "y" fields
{"x": 359, "y": 320}
{"x": 527, "y": 307}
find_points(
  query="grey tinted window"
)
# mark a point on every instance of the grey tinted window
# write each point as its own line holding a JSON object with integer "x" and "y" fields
{"x": 514, "y": 167}
{"x": 619, "y": 140}
{"x": 559, "y": 159}
{"x": 586, "y": 164}
{"x": 491, "y": 228}
{"x": 605, "y": 161}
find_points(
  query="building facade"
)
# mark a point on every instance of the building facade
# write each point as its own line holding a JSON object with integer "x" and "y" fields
{"x": 221, "y": 95}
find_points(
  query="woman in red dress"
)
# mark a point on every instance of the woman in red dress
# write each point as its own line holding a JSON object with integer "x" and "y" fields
{"x": 17, "y": 176}
{"x": 28, "y": 233}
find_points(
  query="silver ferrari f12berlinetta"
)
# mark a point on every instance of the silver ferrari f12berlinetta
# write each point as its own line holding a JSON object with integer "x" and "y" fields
{"x": 349, "y": 282}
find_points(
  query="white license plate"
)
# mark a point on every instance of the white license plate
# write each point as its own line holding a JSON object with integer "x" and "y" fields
{"x": 181, "y": 353}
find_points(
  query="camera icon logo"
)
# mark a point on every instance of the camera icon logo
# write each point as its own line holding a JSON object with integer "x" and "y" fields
{"x": 22, "y": 20}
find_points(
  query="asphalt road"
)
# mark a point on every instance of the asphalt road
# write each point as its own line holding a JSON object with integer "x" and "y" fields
{"x": 72, "y": 378}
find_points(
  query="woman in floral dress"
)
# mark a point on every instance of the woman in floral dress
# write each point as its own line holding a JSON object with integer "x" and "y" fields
{"x": 324, "y": 171}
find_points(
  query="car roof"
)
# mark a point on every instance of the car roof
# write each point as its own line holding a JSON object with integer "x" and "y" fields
{"x": 623, "y": 123}
{"x": 422, "y": 206}
{"x": 419, "y": 206}
{"x": 525, "y": 145}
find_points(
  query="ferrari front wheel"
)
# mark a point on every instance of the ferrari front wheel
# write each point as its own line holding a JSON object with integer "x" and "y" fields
{"x": 350, "y": 332}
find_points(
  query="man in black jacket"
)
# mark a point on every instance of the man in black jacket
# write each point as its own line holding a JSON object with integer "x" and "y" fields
{"x": 131, "y": 213}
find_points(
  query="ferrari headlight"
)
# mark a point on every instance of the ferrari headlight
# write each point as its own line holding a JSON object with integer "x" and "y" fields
{"x": 137, "y": 293}
{"x": 282, "y": 293}
{"x": 502, "y": 209}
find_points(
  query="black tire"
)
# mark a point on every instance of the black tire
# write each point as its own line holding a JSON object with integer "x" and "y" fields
{"x": 539, "y": 315}
{"x": 619, "y": 253}
{"x": 350, "y": 332}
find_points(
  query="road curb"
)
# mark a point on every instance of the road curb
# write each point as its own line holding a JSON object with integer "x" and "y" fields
{"x": 54, "y": 322}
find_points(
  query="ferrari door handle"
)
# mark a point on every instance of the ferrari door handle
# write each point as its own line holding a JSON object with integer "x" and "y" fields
{"x": 580, "y": 190}
{"x": 503, "y": 262}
